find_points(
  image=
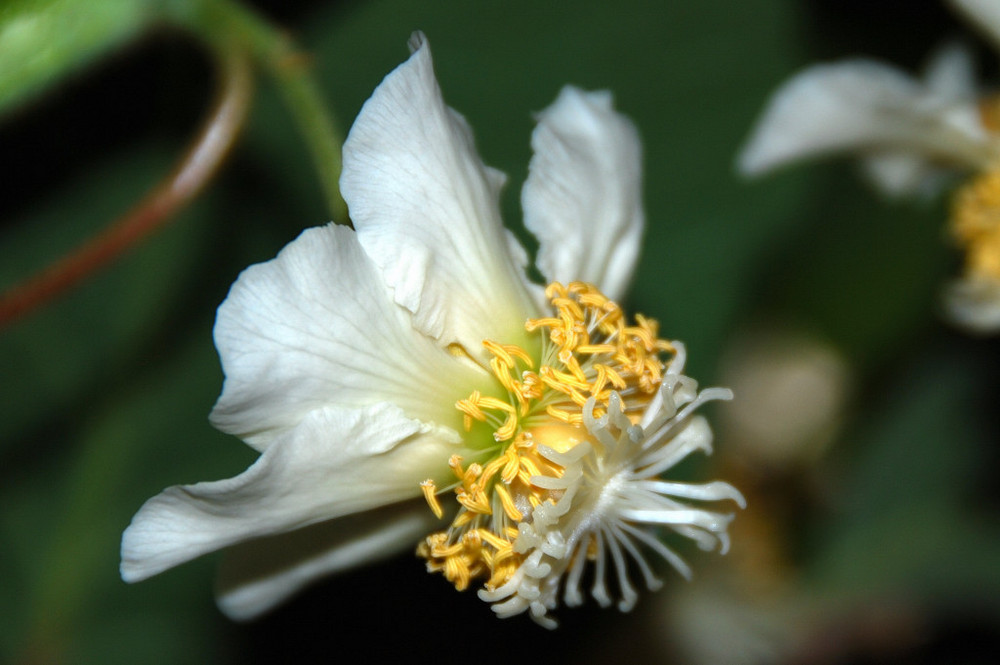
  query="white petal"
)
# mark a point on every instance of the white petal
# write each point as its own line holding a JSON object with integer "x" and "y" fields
{"x": 426, "y": 210}
{"x": 904, "y": 174}
{"x": 985, "y": 13}
{"x": 860, "y": 106}
{"x": 336, "y": 462}
{"x": 258, "y": 575}
{"x": 950, "y": 72}
{"x": 974, "y": 304}
{"x": 583, "y": 196}
{"x": 316, "y": 326}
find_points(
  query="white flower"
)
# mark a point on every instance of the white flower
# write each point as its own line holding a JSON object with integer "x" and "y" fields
{"x": 413, "y": 358}
{"x": 911, "y": 134}
{"x": 906, "y": 129}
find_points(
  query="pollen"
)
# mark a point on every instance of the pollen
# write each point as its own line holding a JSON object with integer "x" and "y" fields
{"x": 589, "y": 351}
{"x": 975, "y": 225}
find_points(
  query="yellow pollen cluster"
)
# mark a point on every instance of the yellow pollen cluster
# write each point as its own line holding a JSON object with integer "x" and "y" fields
{"x": 975, "y": 223}
{"x": 588, "y": 350}
{"x": 480, "y": 541}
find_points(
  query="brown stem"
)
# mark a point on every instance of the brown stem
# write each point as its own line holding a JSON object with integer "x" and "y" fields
{"x": 188, "y": 178}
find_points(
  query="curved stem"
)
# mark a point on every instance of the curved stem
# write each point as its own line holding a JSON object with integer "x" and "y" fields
{"x": 291, "y": 69}
{"x": 187, "y": 179}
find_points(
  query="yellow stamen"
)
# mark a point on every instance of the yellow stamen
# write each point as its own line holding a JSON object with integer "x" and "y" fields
{"x": 430, "y": 495}
{"x": 508, "y": 503}
{"x": 975, "y": 224}
{"x": 589, "y": 350}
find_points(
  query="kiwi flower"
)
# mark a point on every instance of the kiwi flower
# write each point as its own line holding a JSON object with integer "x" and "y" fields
{"x": 912, "y": 135}
{"x": 407, "y": 385}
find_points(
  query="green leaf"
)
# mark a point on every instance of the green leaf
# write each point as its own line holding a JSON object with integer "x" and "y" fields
{"x": 41, "y": 41}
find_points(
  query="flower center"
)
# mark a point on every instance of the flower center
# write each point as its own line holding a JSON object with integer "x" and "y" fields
{"x": 589, "y": 350}
{"x": 975, "y": 223}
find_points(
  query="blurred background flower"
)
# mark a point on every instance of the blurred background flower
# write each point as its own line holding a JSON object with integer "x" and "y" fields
{"x": 871, "y": 533}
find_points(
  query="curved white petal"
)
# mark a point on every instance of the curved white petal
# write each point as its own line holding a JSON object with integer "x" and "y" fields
{"x": 862, "y": 106}
{"x": 974, "y": 304}
{"x": 583, "y": 195}
{"x": 336, "y": 462}
{"x": 260, "y": 574}
{"x": 985, "y": 13}
{"x": 426, "y": 211}
{"x": 315, "y": 326}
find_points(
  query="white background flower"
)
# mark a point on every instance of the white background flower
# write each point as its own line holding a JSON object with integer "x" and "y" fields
{"x": 910, "y": 134}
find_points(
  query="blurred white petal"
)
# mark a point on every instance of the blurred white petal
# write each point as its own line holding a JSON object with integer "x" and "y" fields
{"x": 985, "y": 13}
{"x": 974, "y": 304}
{"x": 259, "y": 574}
{"x": 950, "y": 73}
{"x": 861, "y": 106}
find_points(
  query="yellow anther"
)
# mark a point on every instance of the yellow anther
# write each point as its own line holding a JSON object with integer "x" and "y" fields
{"x": 572, "y": 418}
{"x": 593, "y": 299}
{"x": 494, "y": 466}
{"x": 520, "y": 354}
{"x": 455, "y": 464}
{"x": 473, "y": 540}
{"x": 499, "y": 351}
{"x": 497, "y": 404}
{"x": 564, "y": 382}
{"x": 430, "y": 495}
{"x": 502, "y": 373}
{"x": 456, "y": 571}
{"x": 555, "y": 289}
{"x": 507, "y": 430}
{"x": 511, "y": 464}
{"x": 495, "y": 541}
{"x": 570, "y": 306}
{"x": 531, "y": 325}
{"x": 476, "y": 502}
{"x": 504, "y": 555}
{"x": 606, "y": 373}
{"x": 470, "y": 407}
{"x": 463, "y": 518}
{"x": 641, "y": 334}
{"x": 508, "y": 503}
{"x": 591, "y": 349}
{"x": 441, "y": 550}
{"x": 472, "y": 473}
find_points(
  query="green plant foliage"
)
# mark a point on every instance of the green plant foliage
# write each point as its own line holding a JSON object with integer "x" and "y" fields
{"x": 42, "y": 41}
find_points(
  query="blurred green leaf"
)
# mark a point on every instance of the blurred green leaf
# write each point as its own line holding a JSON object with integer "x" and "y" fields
{"x": 60, "y": 351}
{"x": 42, "y": 41}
